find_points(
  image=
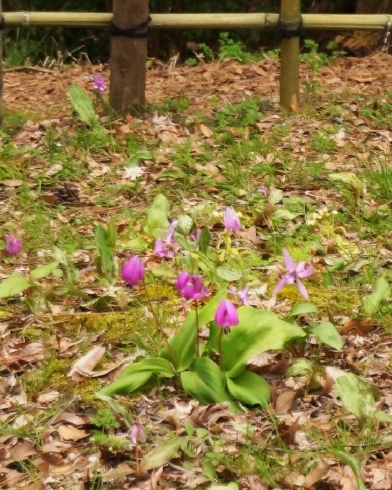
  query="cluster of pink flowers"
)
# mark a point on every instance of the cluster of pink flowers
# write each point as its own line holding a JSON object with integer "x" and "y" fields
{"x": 13, "y": 245}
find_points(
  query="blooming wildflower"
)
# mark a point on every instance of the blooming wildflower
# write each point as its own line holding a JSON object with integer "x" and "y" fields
{"x": 242, "y": 294}
{"x": 226, "y": 314}
{"x": 13, "y": 245}
{"x": 133, "y": 271}
{"x": 231, "y": 220}
{"x": 191, "y": 286}
{"x": 294, "y": 274}
{"x": 99, "y": 84}
{"x": 164, "y": 249}
{"x": 138, "y": 432}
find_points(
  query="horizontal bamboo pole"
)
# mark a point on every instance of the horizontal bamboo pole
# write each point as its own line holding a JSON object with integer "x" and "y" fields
{"x": 199, "y": 21}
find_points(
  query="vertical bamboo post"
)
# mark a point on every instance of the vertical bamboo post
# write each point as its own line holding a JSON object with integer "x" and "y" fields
{"x": 1, "y": 67}
{"x": 128, "y": 57}
{"x": 290, "y": 16}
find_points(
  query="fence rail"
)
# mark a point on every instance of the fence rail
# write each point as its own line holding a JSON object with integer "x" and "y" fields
{"x": 372, "y": 22}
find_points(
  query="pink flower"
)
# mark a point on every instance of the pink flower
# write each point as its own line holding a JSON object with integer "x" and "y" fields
{"x": 242, "y": 294}
{"x": 231, "y": 220}
{"x": 138, "y": 432}
{"x": 294, "y": 274}
{"x": 191, "y": 286}
{"x": 226, "y": 314}
{"x": 133, "y": 271}
{"x": 164, "y": 247}
{"x": 13, "y": 245}
{"x": 99, "y": 84}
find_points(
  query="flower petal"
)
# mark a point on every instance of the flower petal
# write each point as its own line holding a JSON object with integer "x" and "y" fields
{"x": 281, "y": 284}
{"x": 306, "y": 273}
{"x": 302, "y": 290}
{"x": 289, "y": 262}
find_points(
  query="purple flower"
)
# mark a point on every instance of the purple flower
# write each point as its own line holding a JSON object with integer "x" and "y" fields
{"x": 13, "y": 245}
{"x": 170, "y": 232}
{"x": 195, "y": 237}
{"x": 242, "y": 294}
{"x": 191, "y": 286}
{"x": 294, "y": 274}
{"x": 226, "y": 314}
{"x": 231, "y": 220}
{"x": 99, "y": 84}
{"x": 133, "y": 271}
{"x": 263, "y": 191}
{"x": 138, "y": 432}
{"x": 165, "y": 250}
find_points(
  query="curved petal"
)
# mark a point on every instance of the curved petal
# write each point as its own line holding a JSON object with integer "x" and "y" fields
{"x": 288, "y": 260}
{"x": 281, "y": 284}
{"x": 302, "y": 290}
{"x": 306, "y": 273}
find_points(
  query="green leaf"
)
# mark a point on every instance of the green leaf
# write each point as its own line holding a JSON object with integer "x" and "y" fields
{"x": 206, "y": 383}
{"x": 160, "y": 455}
{"x": 82, "y": 105}
{"x": 43, "y": 271}
{"x": 228, "y": 273}
{"x": 230, "y": 486}
{"x": 117, "y": 408}
{"x": 249, "y": 388}
{"x": 185, "y": 224}
{"x": 133, "y": 160}
{"x": 105, "y": 239}
{"x": 354, "y": 465}
{"x": 157, "y": 216}
{"x": 14, "y": 284}
{"x": 371, "y": 303}
{"x": 276, "y": 195}
{"x": 357, "y": 395}
{"x": 183, "y": 344}
{"x": 257, "y": 332}
{"x": 328, "y": 334}
{"x": 137, "y": 374}
{"x": 204, "y": 240}
{"x": 301, "y": 309}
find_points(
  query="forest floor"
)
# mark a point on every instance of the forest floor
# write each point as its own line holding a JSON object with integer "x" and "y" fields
{"x": 213, "y": 136}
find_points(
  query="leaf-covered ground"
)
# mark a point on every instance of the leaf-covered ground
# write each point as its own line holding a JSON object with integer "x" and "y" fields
{"x": 214, "y": 136}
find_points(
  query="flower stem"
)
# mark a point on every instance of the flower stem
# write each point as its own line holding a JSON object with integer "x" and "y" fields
{"x": 197, "y": 330}
{"x": 137, "y": 472}
{"x": 159, "y": 324}
{"x": 220, "y": 350}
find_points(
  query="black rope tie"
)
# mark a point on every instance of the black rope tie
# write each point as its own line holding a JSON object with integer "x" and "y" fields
{"x": 137, "y": 32}
{"x": 2, "y": 24}
{"x": 287, "y": 30}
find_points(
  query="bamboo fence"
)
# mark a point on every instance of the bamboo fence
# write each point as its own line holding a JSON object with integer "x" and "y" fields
{"x": 129, "y": 54}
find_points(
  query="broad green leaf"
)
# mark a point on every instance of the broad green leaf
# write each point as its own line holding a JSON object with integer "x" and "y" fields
{"x": 161, "y": 454}
{"x": 43, "y": 271}
{"x": 14, "y": 284}
{"x": 301, "y": 367}
{"x": 257, "y": 332}
{"x": 133, "y": 160}
{"x": 137, "y": 374}
{"x": 183, "y": 344}
{"x": 328, "y": 334}
{"x": 249, "y": 388}
{"x": 105, "y": 240}
{"x": 382, "y": 416}
{"x": 208, "y": 469}
{"x": 206, "y": 383}
{"x": 157, "y": 216}
{"x": 284, "y": 214}
{"x": 82, "y": 105}
{"x": 228, "y": 273}
{"x": 185, "y": 224}
{"x": 350, "y": 179}
{"x": 301, "y": 309}
{"x": 354, "y": 465}
{"x": 357, "y": 395}
{"x": 204, "y": 240}
{"x": 371, "y": 303}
